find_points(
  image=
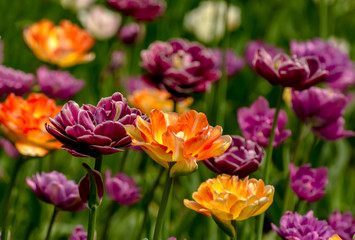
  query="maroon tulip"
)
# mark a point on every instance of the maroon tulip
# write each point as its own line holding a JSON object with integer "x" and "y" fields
{"x": 253, "y": 47}
{"x": 343, "y": 224}
{"x": 85, "y": 185}
{"x": 309, "y": 183}
{"x": 78, "y": 233}
{"x": 58, "y": 84}
{"x": 90, "y": 131}
{"x": 14, "y": 81}
{"x": 298, "y": 73}
{"x": 180, "y": 66}
{"x": 122, "y": 188}
{"x": 256, "y": 123}
{"x": 242, "y": 158}
{"x": 54, "y": 188}
{"x": 132, "y": 33}
{"x": 338, "y": 63}
{"x": 322, "y": 109}
{"x": 141, "y": 10}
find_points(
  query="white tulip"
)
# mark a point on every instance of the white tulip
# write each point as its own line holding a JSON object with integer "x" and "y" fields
{"x": 207, "y": 21}
{"x": 100, "y": 22}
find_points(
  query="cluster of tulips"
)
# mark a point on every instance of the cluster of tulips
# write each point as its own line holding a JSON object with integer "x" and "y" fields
{"x": 153, "y": 118}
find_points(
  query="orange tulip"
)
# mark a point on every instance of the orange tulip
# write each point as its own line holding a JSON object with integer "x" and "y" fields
{"x": 64, "y": 45}
{"x": 229, "y": 198}
{"x": 23, "y": 122}
{"x": 148, "y": 99}
{"x": 179, "y": 139}
{"x": 335, "y": 237}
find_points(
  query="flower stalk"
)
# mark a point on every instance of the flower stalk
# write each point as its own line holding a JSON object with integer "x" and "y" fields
{"x": 54, "y": 214}
{"x": 268, "y": 160}
{"x": 323, "y": 19}
{"x": 163, "y": 204}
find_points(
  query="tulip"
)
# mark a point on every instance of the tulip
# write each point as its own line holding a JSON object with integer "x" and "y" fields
{"x": 253, "y": 47}
{"x": 85, "y": 186}
{"x": 242, "y": 158}
{"x": 90, "y": 131}
{"x": 343, "y": 224}
{"x": 181, "y": 140}
{"x": 147, "y": 99}
{"x": 14, "y": 81}
{"x": 180, "y": 67}
{"x": 322, "y": 109}
{"x": 341, "y": 70}
{"x": 22, "y": 121}
{"x": 100, "y": 22}
{"x": 141, "y": 10}
{"x": 9, "y": 148}
{"x": 298, "y": 227}
{"x": 122, "y": 189}
{"x": 309, "y": 183}
{"x": 298, "y": 73}
{"x": 132, "y": 33}
{"x": 78, "y": 233}
{"x": 256, "y": 123}
{"x": 64, "y": 45}
{"x": 54, "y": 188}
{"x": 227, "y": 198}
{"x": 233, "y": 63}
{"x": 58, "y": 84}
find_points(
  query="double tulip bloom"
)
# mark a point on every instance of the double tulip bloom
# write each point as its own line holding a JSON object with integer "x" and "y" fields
{"x": 179, "y": 66}
{"x": 141, "y": 10}
{"x": 343, "y": 224}
{"x": 227, "y": 198}
{"x": 242, "y": 158}
{"x": 58, "y": 84}
{"x": 256, "y": 123}
{"x": 309, "y": 183}
{"x": 298, "y": 227}
{"x": 252, "y": 48}
{"x": 22, "y": 121}
{"x": 178, "y": 140}
{"x": 338, "y": 63}
{"x": 90, "y": 131}
{"x": 322, "y": 109}
{"x": 122, "y": 188}
{"x": 54, "y": 188}
{"x": 64, "y": 45}
{"x": 298, "y": 73}
{"x": 14, "y": 81}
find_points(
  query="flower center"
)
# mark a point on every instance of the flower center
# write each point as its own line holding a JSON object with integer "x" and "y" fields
{"x": 181, "y": 59}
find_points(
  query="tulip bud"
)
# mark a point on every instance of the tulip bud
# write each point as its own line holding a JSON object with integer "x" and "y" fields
{"x": 91, "y": 187}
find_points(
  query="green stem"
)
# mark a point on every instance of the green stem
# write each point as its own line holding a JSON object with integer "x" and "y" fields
{"x": 308, "y": 154}
{"x": 323, "y": 19}
{"x": 299, "y": 139}
{"x": 268, "y": 160}
{"x": 148, "y": 200}
{"x": 123, "y": 161}
{"x": 55, "y": 211}
{"x": 163, "y": 204}
{"x": 6, "y": 200}
{"x": 98, "y": 163}
{"x": 92, "y": 223}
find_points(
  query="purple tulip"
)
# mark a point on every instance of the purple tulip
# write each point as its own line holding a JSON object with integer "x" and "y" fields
{"x": 233, "y": 63}
{"x": 137, "y": 83}
{"x": 14, "y": 81}
{"x": 54, "y": 188}
{"x": 242, "y": 158}
{"x": 308, "y": 183}
{"x": 336, "y": 62}
{"x": 180, "y": 66}
{"x": 322, "y": 109}
{"x": 141, "y": 10}
{"x": 256, "y": 123}
{"x": 343, "y": 224}
{"x": 118, "y": 59}
{"x": 58, "y": 84}
{"x": 9, "y": 148}
{"x": 132, "y": 33}
{"x": 254, "y": 46}
{"x": 294, "y": 226}
{"x": 90, "y": 131}
{"x": 298, "y": 73}
{"x": 122, "y": 188}
{"x": 78, "y": 233}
